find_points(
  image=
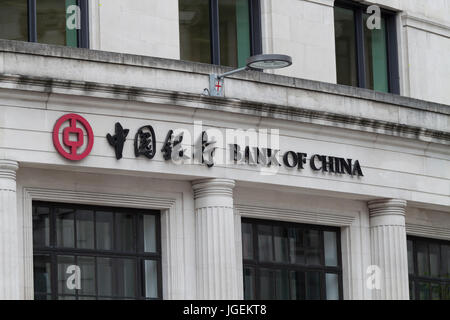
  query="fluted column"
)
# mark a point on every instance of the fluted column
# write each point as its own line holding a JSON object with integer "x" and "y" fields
{"x": 388, "y": 248}
{"x": 9, "y": 232}
{"x": 215, "y": 239}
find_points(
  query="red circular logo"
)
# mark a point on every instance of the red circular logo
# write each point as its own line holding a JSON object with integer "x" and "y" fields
{"x": 71, "y": 130}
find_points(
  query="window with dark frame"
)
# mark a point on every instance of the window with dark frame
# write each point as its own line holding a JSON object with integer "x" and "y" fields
{"x": 221, "y": 32}
{"x": 288, "y": 261}
{"x": 85, "y": 252}
{"x": 428, "y": 269}
{"x": 365, "y": 58}
{"x": 43, "y": 21}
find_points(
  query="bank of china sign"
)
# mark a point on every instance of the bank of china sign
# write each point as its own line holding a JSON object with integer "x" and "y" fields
{"x": 73, "y": 138}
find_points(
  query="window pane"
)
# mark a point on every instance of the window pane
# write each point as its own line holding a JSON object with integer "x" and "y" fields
{"x": 64, "y": 286}
{"x": 297, "y": 282}
{"x": 151, "y": 279}
{"x": 422, "y": 259}
{"x": 38, "y": 296}
{"x": 282, "y": 284}
{"x": 65, "y": 231}
{"x": 313, "y": 254}
{"x": 344, "y": 28}
{"x": 330, "y": 243}
{"x": 126, "y": 277}
{"x": 445, "y": 263}
{"x": 41, "y": 227}
{"x": 149, "y": 233}
{"x": 332, "y": 285}
{"x": 266, "y": 284}
{"x": 312, "y": 239}
{"x": 105, "y": 276}
{"x": 434, "y": 259}
{"x": 87, "y": 267}
{"x": 435, "y": 291}
{"x": 249, "y": 284}
{"x": 194, "y": 30}
{"x": 234, "y": 28}
{"x": 296, "y": 246}
{"x": 410, "y": 257}
{"x": 85, "y": 229}
{"x": 124, "y": 232}
{"x": 424, "y": 291}
{"x": 412, "y": 295}
{"x": 247, "y": 241}
{"x": 281, "y": 244}
{"x": 104, "y": 230}
{"x": 51, "y": 23}
{"x": 42, "y": 275}
{"x": 375, "y": 47}
{"x": 265, "y": 248}
{"x": 14, "y": 20}
{"x": 313, "y": 286}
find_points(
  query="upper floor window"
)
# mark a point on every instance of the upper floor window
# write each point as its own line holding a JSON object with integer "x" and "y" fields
{"x": 45, "y": 21}
{"x": 429, "y": 269}
{"x": 222, "y": 32}
{"x": 365, "y": 57}
{"x": 287, "y": 261}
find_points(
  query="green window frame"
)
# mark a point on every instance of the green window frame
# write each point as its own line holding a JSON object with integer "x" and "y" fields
{"x": 365, "y": 58}
{"x": 220, "y": 32}
{"x": 45, "y": 21}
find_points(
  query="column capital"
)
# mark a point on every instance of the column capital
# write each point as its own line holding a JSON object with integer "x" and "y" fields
{"x": 387, "y": 207}
{"x": 218, "y": 192}
{"x": 8, "y": 169}
{"x": 8, "y": 165}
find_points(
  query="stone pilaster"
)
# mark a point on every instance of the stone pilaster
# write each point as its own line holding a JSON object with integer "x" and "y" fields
{"x": 215, "y": 239}
{"x": 388, "y": 248}
{"x": 9, "y": 232}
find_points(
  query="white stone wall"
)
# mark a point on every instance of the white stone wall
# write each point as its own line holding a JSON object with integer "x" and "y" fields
{"x": 303, "y": 29}
{"x": 394, "y": 166}
{"x": 136, "y": 26}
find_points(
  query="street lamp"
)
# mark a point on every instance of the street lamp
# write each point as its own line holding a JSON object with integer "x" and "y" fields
{"x": 260, "y": 61}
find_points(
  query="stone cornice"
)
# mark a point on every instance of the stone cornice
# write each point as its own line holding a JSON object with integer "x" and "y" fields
{"x": 281, "y": 112}
{"x": 36, "y": 49}
{"x": 426, "y": 25}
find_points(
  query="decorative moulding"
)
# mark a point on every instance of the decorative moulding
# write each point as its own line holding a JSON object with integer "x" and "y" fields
{"x": 321, "y": 218}
{"x": 427, "y": 231}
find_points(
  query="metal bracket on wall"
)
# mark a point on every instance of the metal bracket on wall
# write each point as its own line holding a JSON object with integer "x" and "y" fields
{"x": 216, "y": 85}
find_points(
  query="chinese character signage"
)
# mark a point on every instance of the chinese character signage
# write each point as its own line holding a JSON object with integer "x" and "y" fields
{"x": 75, "y": 139}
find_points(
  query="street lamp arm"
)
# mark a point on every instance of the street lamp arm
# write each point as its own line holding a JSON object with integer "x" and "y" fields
{"x": 261, "y": 61}
{"x": 229, "y": 73}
